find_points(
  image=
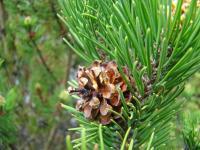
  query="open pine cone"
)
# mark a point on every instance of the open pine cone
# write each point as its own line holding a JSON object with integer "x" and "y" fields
{"x": 97, "y": 89}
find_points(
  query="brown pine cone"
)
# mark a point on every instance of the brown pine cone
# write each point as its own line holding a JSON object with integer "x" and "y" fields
{"x": 98, "y": 91}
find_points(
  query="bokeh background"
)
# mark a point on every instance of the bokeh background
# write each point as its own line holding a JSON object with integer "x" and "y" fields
{"x": 35, "y": 67}
{"x": 33, "y": 76}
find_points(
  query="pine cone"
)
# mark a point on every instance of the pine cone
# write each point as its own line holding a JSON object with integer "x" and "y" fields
{"x": 98, "y": 91}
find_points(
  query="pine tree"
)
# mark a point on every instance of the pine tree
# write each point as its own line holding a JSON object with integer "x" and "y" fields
{"x": 152, "y": 47}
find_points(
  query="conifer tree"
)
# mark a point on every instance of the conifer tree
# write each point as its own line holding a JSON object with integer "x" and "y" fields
{"x": 138, "y": 54}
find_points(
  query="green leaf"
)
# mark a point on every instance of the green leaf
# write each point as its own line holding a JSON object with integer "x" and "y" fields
{"x": 101, "y": 137}
{"x": 83, "y": 142}
{"x": 131, "y": 145}
{"x": 125, "y": 139}
{"x": 150, "y": 141}
{"x": 68, "y": 143}
{"x": 70, "y": 109}
{"x": 11, "y": 99}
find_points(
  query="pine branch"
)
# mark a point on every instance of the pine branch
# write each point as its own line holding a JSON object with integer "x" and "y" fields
{"x": 155, "y": 51}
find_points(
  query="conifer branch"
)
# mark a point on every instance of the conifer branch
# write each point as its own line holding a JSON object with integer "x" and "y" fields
{"x": 154, "y": 51}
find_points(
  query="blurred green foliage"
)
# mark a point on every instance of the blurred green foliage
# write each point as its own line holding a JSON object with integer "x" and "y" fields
{"x": 35, "y": 68}
{"x": 191, "y": 130}
{"x": 190, "y": 117}
{"x": 187, "y": 122}
{"x": 7, "y": 116}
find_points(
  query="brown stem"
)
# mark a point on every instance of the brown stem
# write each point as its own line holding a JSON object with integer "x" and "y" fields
{"x": 43, "y": 61}
{"x": 27, "y": 142}
{"x": 69, "y": 64}
{"x": 3, "y": 16}
{"x": 3, "y": 19}
{"x": 12, "y": 147}
{"x": 50, "y": 138}
{"x": 41, "y": 56}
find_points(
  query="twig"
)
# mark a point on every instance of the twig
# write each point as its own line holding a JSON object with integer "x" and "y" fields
{"x": 42, "y": 58}
{"x": 12, "y": 147}
{"x": 50, "y": 138}
{"x": 27, "y": 142}
{"x": 43, "y": 61}
{"x": 69, "y": 64}
{"x": 3, "y": 18}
